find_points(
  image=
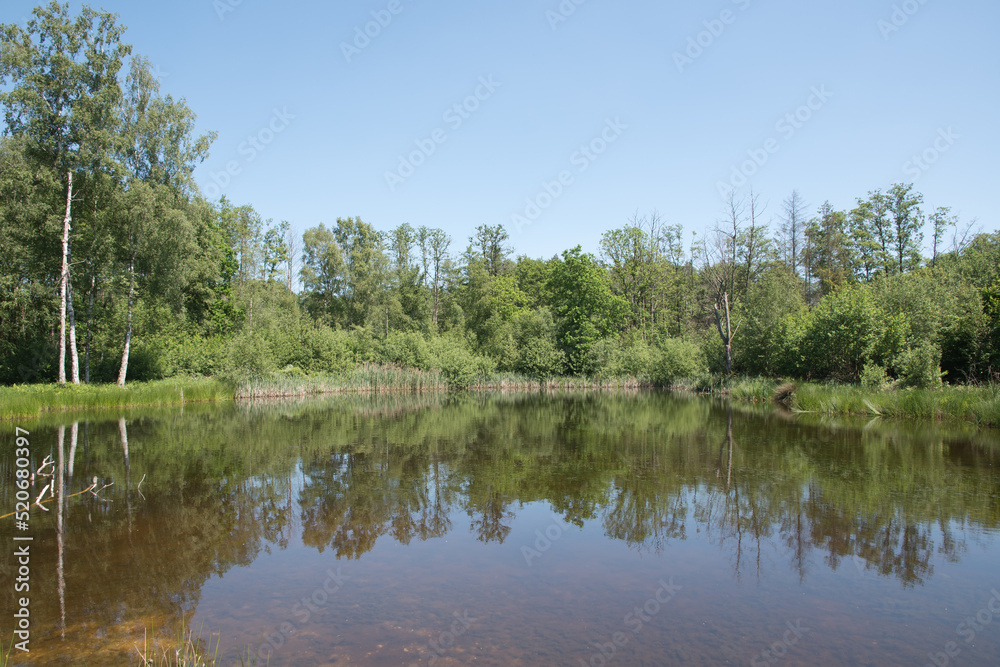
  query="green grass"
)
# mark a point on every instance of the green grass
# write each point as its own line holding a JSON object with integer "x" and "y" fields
{"x": 27, "y": 401}
{"x": 977, "y": 405}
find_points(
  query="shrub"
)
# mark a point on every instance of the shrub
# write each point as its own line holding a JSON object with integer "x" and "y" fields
{"x": 459, "y": 367}
{"x": 678, "y": 359}
{"x": 920, "y": 366}
{"x": 874, "y": 377}
{"x": 407, "y": 349}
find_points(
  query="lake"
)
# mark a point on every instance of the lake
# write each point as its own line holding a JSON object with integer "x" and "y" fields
{"x": 584, "y": 528}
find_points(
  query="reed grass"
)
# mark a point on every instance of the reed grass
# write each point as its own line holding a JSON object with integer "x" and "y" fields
{"x": 28, "y": 401}
{"x": 378, "y": 379}
{"x": 977, "y": 405}
{"x": 187, "y": 650}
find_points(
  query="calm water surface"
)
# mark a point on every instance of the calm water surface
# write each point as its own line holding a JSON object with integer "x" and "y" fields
{"x": 566, "y": 529}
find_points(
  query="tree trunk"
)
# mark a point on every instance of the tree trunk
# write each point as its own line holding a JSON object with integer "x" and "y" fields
{"x": 123, "y": 371}
{"x": 74, "y": 356}
{"x": 64, "y": 278}
{"x": 89, "y": 335}
{"x": 727, "y": 335}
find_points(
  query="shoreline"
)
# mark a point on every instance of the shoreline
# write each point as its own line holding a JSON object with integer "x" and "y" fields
{"x": 979, "y": 406}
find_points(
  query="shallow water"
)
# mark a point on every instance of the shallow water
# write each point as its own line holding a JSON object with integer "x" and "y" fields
{"x": 566, "y": 529}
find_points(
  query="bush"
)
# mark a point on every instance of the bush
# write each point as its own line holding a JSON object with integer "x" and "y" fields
{"x": 920, "y": 366}
{"x": 678, "y": 359}
{"x": 874, "y": 377}
{"x": 459, "y": 367}
{"x": 407, "y": 349}
{"x": 249, "y": 358}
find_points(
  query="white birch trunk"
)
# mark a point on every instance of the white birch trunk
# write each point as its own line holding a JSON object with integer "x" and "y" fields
{"x": 123, "y": 371}
{"x": 64, "y": 278}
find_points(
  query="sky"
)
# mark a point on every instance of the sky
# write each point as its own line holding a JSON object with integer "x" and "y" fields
{"x": 562, "y": 120}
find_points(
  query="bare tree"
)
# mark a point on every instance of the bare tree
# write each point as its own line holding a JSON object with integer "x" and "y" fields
{"x": 728, "y": 334}
{"x": 793, "y": 229}
{"x": 291, "y": 257}
{"x": 752, "y": 243}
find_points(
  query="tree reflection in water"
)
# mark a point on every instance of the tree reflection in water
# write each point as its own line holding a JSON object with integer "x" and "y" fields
{"x": 222, "y": 485}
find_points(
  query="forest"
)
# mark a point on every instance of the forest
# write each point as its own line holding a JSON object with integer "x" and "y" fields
{"x": 114, "y": 267}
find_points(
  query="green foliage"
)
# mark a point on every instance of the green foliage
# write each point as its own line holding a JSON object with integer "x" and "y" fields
{"x": 203, "y": 288}
{"x": 407, "y": 349}
{"x": 847, "y": 330}
{"x": 533, "y": 341}
{"x": 763, "y": 345}
{"x": 459, "y": 366}
{"x": 249, "y": 357}
{"x": 584, "y": 305}
{"x": 919, "y": 366}
{"x": 678, "y": 360}
{"x": 874, "y": 377}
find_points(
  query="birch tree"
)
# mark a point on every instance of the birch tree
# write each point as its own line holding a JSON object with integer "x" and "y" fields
{"x": 63, "y": 94}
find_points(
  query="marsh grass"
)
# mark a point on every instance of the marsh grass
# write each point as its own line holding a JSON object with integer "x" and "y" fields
{"x": 26, "y": 401}
{"x": 383, "y": 379}
{"x": 978, "y": 405}
{"x": 188, "y": 650}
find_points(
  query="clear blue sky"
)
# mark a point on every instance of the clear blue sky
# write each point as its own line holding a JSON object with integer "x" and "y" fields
{"x": 679, "y": 128}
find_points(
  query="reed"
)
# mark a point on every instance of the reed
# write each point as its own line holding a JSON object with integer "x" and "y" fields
{"x": 27, "y": 401}
{"x": 977, "y": 405}
{"x": 187, "y": 650}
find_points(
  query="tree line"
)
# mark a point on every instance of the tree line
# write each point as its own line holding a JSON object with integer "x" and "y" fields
{"x": 113, "y": 265}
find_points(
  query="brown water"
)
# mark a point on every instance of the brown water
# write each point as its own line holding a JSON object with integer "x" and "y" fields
{"x": 568, "y": 529}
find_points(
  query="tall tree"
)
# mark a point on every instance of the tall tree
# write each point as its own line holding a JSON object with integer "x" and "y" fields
{"x": 63, "y": 96}
{"x": 366, "y": 270}
{"x": 586, "y": 308}
{"x": 793, "y": 222}
{"x": 323, "y": 272}
{"x": 490, "y": 243}
{"x": 907, "y": 221}
{"x": 831, "y": 257}
{"x": 941, "y": 220}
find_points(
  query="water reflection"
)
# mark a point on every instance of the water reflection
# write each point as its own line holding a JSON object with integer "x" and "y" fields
{"x": 222, "y": 486}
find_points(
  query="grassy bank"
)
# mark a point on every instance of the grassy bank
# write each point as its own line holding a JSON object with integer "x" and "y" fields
{"x": 976, "y": 405}
{"x": 27, "y": 401}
